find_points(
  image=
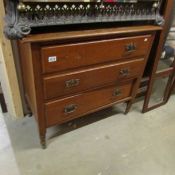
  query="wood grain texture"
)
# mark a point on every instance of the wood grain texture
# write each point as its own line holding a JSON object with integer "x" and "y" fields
{"x": 55, "y": 86}
{"x": 28, "y": 75}
{"x": 112, "y": 32}
{"x": 39, "y": 90}
{"x": 90, "y": 53}
{"x": 85, "y": 103}
{"x": 97, "y": 71}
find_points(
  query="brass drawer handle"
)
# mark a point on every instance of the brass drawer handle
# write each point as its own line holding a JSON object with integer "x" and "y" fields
{"x": 130, "y": 47}
{"x": 70, "y": 109}
{"x": 124, "y": 72}
{"x": 117, "y": 92}
{"x": 72, "y": 83}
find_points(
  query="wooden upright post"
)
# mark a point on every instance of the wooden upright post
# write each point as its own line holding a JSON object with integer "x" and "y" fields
{"x": 8, "y": 76}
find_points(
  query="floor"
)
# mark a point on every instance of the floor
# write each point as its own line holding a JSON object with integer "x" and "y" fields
{"x": 105, "y": 143}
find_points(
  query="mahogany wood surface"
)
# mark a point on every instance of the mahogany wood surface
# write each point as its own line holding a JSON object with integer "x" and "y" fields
{"x": 85, "y": 102}
{"x": 55, "y": 86}
{"x": 105, "y": 32}
{"x": 28, "y": 75}
{"x": 101, "y": 70}
{"x": 89, "y": 53}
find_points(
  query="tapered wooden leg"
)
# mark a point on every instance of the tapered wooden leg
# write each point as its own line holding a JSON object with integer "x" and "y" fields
{"x": 128, "y": 106}
{"x": 42, "y": 133}
{"x": 43, "y": 141}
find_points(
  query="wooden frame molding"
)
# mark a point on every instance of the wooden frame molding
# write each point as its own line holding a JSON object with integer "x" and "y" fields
{"x": 153, "y": 75}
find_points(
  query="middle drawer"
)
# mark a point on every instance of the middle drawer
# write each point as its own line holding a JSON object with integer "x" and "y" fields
{"x": 73, "y": 82}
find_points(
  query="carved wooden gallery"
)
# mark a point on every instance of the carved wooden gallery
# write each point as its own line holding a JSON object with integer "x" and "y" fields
{"x": 78, "y": 57}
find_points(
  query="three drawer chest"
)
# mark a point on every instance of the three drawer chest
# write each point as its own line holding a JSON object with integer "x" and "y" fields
{"x": 70, "y": 74}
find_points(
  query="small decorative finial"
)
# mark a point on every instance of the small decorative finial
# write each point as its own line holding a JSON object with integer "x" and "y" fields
{"x": 21, "y": 7}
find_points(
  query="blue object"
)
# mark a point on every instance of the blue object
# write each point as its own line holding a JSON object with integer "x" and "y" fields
{"x": 169, "y": 52}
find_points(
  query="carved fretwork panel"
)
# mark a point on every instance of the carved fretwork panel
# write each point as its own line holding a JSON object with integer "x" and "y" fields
{"x": 26, "y": 14}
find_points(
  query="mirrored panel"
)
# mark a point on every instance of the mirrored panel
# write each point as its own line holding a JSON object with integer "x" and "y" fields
{"x": 159, "y": 87}
{"x": 158, "y": 91}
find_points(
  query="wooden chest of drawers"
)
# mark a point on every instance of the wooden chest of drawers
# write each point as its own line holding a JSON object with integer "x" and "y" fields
{"x": 70, "y": 74}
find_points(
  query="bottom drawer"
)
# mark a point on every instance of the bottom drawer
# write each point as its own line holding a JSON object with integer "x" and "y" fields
{"x": 66, "y": 109}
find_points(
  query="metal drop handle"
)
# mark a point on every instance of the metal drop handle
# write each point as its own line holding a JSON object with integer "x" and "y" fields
{"x": 70, "y": 108}
{"x": 124, "y": 72}
{"x": 72, "y": 83}
{"x": 117, "y": 92}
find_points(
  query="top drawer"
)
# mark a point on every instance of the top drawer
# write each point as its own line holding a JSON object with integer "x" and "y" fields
{"x": 61, "y": 57}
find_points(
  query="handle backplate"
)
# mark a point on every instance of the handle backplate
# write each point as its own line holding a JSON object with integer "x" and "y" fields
{"x": 72, "y": 83}
{"x": 70, "y": 108}
{"x": 117, "y": 92}
{"x": 130, "y": 47}
{"x": 124, "y": 72}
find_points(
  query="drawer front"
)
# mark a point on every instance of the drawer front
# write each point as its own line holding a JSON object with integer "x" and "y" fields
{"x": 74, "y": 82}
{"x": 61, "y": 57}
{"x": 72, "y": 107}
